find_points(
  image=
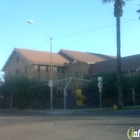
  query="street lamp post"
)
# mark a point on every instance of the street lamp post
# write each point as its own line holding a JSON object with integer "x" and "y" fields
{"x": 100, "y": 85}
{"x": 50, "y": 81}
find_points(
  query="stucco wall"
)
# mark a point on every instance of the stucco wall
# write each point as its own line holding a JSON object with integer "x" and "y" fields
{"x": 81, "y": 69}
{"x": 18, "y": 62}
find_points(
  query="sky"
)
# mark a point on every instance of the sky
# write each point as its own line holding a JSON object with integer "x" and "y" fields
{"x": 79, "y": 25}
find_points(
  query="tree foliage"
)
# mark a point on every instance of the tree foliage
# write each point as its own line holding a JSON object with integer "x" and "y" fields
{"x": 138, "y": 11}
{"x": 109, "y": 91}
{"x": 26, "y": 92}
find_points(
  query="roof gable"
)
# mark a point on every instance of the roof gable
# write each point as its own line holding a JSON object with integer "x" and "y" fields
{"x": 37, "y": 57}
{"x": 40, "y": 57}
{"x": 77, "y": 61}
{"x": 89, "y": 58}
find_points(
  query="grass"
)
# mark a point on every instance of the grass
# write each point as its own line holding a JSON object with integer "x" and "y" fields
{"x": 111, "y": 109}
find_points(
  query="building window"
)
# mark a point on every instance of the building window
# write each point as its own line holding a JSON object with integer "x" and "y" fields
{"x": 17, "y": 59}
{"x": 38, "y": 68}
{"x": 17, "y": 71}
{"x": 25, "y": 69}
{"x": 62, "y": 69}
{"x": 58, "y": 69}
{"x": 47, "y": 68}
{"x": 76, "y": 74}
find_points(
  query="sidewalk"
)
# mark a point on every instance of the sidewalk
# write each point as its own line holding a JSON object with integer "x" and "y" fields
{"x": 72, "y": 111}
{"x": 47, "y": 111}
{"x": 60, "y": 111}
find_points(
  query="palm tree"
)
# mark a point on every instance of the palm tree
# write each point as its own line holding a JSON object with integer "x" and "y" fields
{"x": 118, "y": 12}
{"x": 138, "y": 12}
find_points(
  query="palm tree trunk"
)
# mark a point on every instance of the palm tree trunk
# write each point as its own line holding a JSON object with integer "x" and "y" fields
{"x": 119, "y": 75}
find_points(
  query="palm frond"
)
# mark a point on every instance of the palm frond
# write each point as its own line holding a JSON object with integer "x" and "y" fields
{"x": 105, "y": 1}
{"x": 123, "y": 3}
{"x": 138, "y": 11}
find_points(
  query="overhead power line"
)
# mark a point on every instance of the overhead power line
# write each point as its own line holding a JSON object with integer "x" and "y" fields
{"x": 41, "y": 44}
{"x": 90, "y": 30}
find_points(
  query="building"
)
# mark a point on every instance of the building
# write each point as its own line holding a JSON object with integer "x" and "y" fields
{"x": 65, "y": 63}
{"x": 128, "y": 64}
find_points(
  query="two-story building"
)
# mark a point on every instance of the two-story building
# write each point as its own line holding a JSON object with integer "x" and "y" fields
{"x": 65, "y": 64}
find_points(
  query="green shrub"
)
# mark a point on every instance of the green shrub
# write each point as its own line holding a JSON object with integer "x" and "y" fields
{"x": 26, "y": 92}
{"x": 109, "y": 91}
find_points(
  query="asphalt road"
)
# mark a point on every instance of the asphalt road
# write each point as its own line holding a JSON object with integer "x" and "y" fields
{"x": 41, "y": 126}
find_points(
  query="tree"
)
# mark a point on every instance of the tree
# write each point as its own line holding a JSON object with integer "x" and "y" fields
{"x": 24, "y": 92}
{"x": 138, "y": 12}
{"x": 118, "y": 12}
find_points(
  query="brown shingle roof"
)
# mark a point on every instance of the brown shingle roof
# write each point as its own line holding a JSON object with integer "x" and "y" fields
{"x": 129, "y": 63}
{"x": 86, "y": 57}
{"x": 40, "y": 57}
{"x": 37, "y": 57}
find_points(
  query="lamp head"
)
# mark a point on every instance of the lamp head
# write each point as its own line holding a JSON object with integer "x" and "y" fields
{"x": 31, "y": 22}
